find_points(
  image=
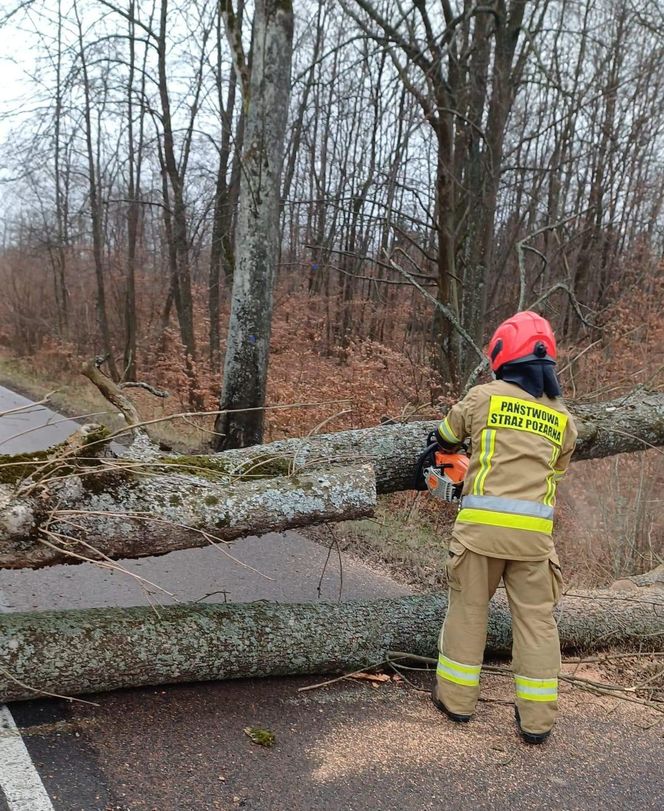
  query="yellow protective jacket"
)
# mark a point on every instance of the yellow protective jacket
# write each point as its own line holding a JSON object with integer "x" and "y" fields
{"x": 520, "y": 447}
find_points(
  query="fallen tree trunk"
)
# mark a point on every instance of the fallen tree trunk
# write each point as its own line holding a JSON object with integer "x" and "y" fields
{"x": 89, "y": 518}
{"x": 74, "y": 652}
{"x": 654, "y": 579}
{"x": 150, "y": 505}
{"x": 631, "y": 423}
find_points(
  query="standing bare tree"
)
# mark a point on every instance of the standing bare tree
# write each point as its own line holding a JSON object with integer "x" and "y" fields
{"x": 134, "y": 158}
{"x": 221, "y": 244}
{"x": 58, "y": 257}
{"x": 95, "y": 203}
{"x": 257, "y": 232}
{"x": 464, "y": 69}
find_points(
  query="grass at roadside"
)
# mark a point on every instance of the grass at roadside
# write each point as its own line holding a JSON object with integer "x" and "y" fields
{"x": 607, "y": 527}
{"x": 408, "y": 537}
{"x": 73, "y": 397}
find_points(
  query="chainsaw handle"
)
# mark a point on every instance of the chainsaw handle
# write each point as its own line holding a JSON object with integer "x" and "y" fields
{"x": 425, "y": 457}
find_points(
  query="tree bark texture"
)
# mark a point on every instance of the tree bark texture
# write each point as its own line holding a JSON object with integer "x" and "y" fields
{"x": 119, "y": 515}
{"x": 74, "y": 652}
{"x": 624, "y": 425}
{"x": 257, "y": 232}
{"x": 484, "y": 171}
{"x": 654, "y": 579}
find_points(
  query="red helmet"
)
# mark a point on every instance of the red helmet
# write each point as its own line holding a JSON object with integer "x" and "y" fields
{"x": 523, "y": 337}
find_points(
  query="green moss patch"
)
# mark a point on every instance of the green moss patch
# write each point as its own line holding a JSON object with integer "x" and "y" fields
{"x": 16, "y": 467}
{"x": 217, "y": 468}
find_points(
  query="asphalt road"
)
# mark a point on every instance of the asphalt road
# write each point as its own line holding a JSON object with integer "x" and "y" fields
{"x": 348, "y": 745}
{"x": 26, "y": 426}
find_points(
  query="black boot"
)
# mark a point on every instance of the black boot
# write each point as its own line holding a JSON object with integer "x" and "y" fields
{"x": 453, "y": 716}
{"x": 530, "y": 737}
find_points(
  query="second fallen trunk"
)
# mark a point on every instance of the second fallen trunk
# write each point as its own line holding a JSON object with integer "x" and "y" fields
{"x": 74, "y": 652}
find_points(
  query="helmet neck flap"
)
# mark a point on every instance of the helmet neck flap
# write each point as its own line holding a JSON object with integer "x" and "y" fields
{"x": 537, "y": 377}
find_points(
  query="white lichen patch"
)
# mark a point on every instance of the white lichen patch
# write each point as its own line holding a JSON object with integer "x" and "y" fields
{"x": 17, "y": 519}
{"x": 175, "y": 511}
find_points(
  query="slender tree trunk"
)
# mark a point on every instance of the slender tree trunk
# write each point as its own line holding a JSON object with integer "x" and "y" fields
{"x": 483, "y": 203}
{"x": 257, "y": 235}
{"x": 95, "y": 210}
{"x": 221, "y": 247}
{"x": 183, "y": 300}
{"x": 445, "y": 338}
{"x": 60, "y": 284}
{"x": 129, "y": 372}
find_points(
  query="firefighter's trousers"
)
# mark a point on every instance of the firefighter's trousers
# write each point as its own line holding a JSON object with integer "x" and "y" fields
{"x": 533, "y": 589}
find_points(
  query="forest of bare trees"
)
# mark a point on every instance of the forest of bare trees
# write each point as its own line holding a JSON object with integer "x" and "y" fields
{"x": 443, "y": 164}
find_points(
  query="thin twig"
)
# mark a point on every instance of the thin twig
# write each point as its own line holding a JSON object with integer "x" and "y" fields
{"x": 39, "y": 692}
{"x": 579, "y": 356}
{"x": 108, "y": 563}
{"x": 575, "y": 304}
{"x": 447, "y": 312}
{"x": 167, "y": 418}
{"x": 412, "y": 684}
{"x": 29, "y": 406}
{"x": 112, "y": 563}
{"x": 211, "y": 594}
{"x": 521, "y": 246}
{"x": 339, "y": 678}
{"x": 50, "y": 424}
{"x": 209, "y": 537}
{"x": 135, "y": 384}
{"x": 614, "y": 690}
{"x": 608, "y": 657}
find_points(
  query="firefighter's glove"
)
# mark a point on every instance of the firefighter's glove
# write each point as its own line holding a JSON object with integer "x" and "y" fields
{"x": 444, "y": 445}
{"x": 435, "y": 437}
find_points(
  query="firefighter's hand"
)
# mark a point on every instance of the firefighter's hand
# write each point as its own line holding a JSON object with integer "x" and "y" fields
{"x": 435, "y": 438}
{"x": 447, "y": 447}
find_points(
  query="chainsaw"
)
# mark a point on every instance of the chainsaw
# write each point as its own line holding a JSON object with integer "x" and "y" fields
{"x": 441, "y": 473}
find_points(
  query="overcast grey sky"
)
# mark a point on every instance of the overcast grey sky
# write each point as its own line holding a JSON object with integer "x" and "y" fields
{"x": 15, "y": 58}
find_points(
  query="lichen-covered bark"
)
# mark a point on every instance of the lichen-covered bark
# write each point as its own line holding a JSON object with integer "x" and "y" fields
{"x": 627, "y": 424}
{"x": 130, "y": 515}
{"x": 73, "y": 652}
{"x": 257, "y": 233}
{"x": 654, "y": 579}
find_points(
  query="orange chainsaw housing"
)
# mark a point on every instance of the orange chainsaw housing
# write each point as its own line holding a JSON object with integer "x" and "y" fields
{"x": 453, "y": 465}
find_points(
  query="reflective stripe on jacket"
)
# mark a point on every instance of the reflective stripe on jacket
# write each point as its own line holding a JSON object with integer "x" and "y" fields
{"x": 520, "y": 448}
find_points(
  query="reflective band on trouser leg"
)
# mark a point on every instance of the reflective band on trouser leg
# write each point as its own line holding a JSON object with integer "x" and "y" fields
{"x": 467, "y": 675}
{"x": 447, "y": 433}
{"x": 492, "y": 518}
{"x": 536, "y": 689}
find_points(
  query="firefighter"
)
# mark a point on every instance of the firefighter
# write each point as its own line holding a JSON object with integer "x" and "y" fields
{"x": 522, "y": 438}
